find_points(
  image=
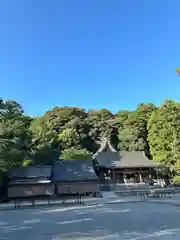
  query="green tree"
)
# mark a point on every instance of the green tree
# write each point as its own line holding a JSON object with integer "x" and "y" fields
{"x": 75, "y": 154}
{"x": 45, "y": 145}
{"x": 102, "y": 125}
{"x": 15, "y": 138}
{"x": 132, "y": 128}
{"x": 69, "y": 137}
{"x": 57, "y": 118}
{"x": 163, "y": 134}
{"x": 178, "y": 70}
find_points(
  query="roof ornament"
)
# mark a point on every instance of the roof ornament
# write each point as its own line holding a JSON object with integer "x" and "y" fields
{"x": 106, "y": 146}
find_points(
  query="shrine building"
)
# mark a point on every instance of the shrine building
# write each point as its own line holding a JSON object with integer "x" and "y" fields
{"x": 123, "y": 166}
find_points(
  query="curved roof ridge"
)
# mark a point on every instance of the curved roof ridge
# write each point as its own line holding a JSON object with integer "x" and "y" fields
{"x": 105, "y": 143}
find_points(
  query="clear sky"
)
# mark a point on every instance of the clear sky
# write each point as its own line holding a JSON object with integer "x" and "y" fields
{"x": 89, "y": 53}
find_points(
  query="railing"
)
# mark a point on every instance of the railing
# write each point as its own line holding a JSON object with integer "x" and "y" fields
{"x": 143, "y": 190}
{"x": 51, "y": 201}
{"x": 112, "y": 186}
{"x": 148, "y": 193}
{"x": 45, "y": 201}
{"x": 121, "y": 191}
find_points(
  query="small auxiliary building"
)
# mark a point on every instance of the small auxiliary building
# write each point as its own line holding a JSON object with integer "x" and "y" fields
{"x": 75, "y": 177}
{"x": 29, "y": 182}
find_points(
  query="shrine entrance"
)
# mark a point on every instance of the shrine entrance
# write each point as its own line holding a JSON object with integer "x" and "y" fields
{"x": 137, "y": 175}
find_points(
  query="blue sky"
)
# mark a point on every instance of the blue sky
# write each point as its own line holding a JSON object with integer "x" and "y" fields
{"x": 90, "y": 53}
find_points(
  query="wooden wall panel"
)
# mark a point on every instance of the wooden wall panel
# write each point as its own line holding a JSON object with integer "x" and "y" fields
{"x": 29, "y": 191}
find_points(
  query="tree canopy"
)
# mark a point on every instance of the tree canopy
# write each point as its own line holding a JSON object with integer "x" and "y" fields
{"x": 178, "y": 70}
{"x": 73, "y": 133}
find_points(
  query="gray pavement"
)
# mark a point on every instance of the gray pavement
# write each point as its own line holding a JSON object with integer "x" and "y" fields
{"x": 129, "y": 221}
{"x": 175, "y": 199}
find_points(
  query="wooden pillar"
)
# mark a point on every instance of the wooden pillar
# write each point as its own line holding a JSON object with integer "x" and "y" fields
{"x": 124, "y": 177}
{"x": 150, "y": 174}
{"x": 114, "y": 175}
{"x": 140, "y": 176}
{"x": 157, "y": 174}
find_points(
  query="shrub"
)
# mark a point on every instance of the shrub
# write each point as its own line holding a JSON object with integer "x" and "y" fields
{"x": 176, "y": 180}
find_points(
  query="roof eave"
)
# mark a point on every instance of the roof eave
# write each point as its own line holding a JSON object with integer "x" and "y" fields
{"x": 75, "y": 181}
{"x": 127, "y": 166}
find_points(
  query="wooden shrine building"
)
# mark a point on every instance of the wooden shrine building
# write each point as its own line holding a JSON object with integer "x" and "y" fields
{"x": 75, "y": 177}
{"x": 123, "y": 166}
{"x": 29, "y": 182}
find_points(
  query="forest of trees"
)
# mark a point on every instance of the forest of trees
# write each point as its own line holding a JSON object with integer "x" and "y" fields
{"x": 73, "y": 133}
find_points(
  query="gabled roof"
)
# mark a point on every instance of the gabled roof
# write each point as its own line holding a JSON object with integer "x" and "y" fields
{"x": 74, "y": 170}
{"x": 135, "y": 159}
{"x": 124, "y": 159}
{"x": 27, "y": 174}
{"x": 106, "y": 146}
{"x": 107, "y": 158}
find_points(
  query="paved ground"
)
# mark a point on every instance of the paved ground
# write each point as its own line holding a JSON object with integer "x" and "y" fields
{"x": 133, "y": 221}
{"x": 10, "y": 206}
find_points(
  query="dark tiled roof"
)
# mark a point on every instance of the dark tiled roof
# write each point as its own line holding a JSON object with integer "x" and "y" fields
{"x": 107, "y": 158}
{"x": 74, "y": 170}
{"x": 138, "y": 159}
{"x": 31, "y": 172}
{"x": 125, "y": 159}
